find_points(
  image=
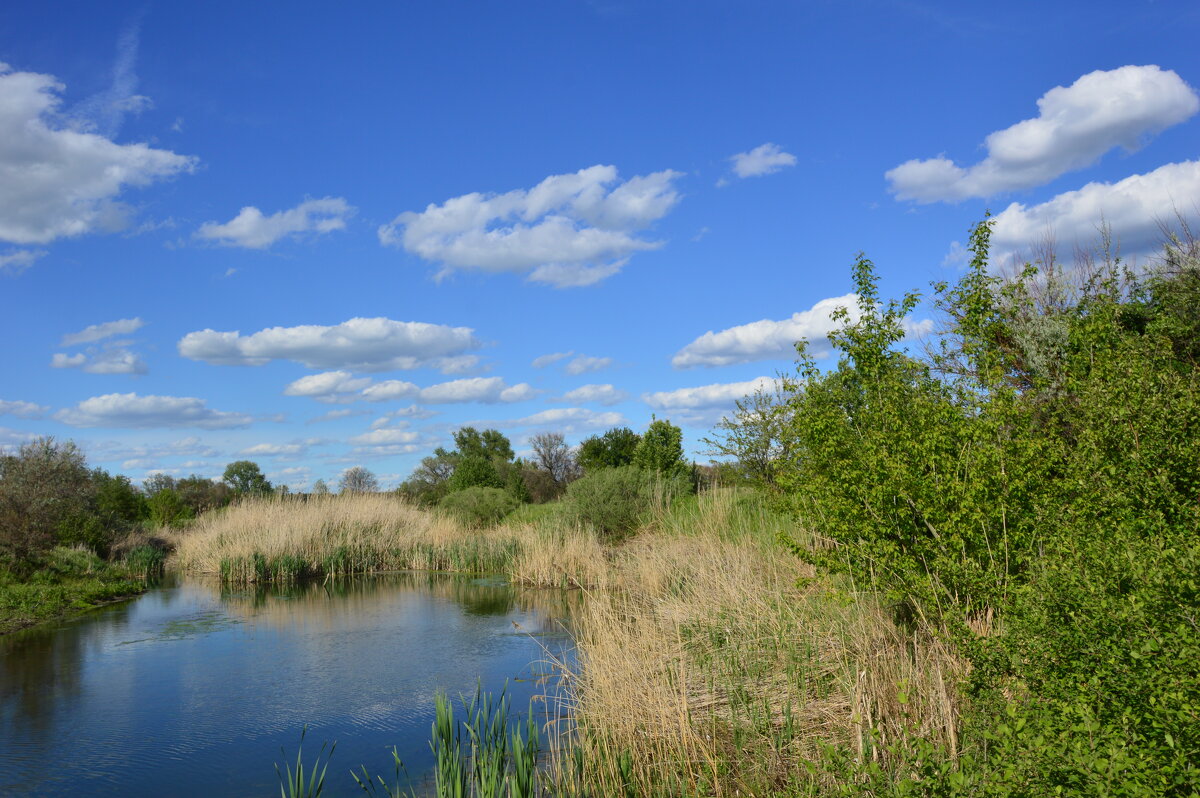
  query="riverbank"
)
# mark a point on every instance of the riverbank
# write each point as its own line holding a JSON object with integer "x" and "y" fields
{"x": 710, "y": 660}
{"x": 69, "y": 580}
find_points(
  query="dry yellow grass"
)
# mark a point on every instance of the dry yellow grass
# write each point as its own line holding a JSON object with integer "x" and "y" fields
{"x": 715, "y": 664}
{"x": 354, "y": 533}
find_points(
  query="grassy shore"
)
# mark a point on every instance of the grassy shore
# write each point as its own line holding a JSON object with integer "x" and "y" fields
{"x": 710, "y": 661}
{"x": 69, "y": 580}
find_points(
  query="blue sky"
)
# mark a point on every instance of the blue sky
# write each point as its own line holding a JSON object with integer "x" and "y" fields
{"x": 319, "y": 236}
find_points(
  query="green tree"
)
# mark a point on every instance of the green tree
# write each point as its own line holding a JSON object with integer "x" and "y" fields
{"x": 474, "y": 471}
{"x": 246, "y": 479}
{"x": 44, "y": 484}
{"x": 167, "y": 508}
{"x": 661, "y": 449}
{"x": 613, "y": 449}
{"x": 319, "y": 488}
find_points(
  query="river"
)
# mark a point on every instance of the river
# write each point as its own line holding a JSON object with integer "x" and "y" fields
{"x": 192, "y": 689}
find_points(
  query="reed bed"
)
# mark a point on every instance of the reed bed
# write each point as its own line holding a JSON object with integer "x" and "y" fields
{"x": 716, "y": 664}
{"x": 283, "y": 540}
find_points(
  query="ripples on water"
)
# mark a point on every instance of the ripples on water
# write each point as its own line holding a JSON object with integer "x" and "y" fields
{"x": 192, "y": 689}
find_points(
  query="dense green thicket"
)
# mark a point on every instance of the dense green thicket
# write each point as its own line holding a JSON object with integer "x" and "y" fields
{"x": 479, "y": 506}
{"x": 1032, "y": 489}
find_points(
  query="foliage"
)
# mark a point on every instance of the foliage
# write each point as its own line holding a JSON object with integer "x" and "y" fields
{"x": 614, "y": 501}
{"x": 661, "y": 449}
{"x": 474, "y": 471}
{"x": 67, "y": 579}
{"x": 429, "y": 482}
{"x": 1039, "y": 468}
{"x": 319, "y": 488}
{"x": 479, "y": 506}
{"x": 246, "y": 478}
{"x": 755, "y": 436}
{"x": 613, "y": 449}
{"x": 202, "y": 495}
{"x": 167, "y": 508}
{"x": 358, "y": 480}
{"x": 44, "y": 485}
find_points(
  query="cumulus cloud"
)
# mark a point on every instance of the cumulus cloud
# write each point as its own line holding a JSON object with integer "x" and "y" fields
{"x": 705, "y": 403}
{"x": 275, "y": 450}
{"x": 542, "y": 361}
{"x": 586, "y": 363}
{"x": 334, "y": 415}
{"x": 1074, "y": 127}
{"x": 376, "y": 344}
{"x": 254, "y": 230}
{"x": 128, "y": 410}
{"x": 108, "y": 360}
{"x": 400, "y": 415}
{"x": 764, "y": 159}
{"x": 329, "y": 386}
{"x": 486, "y": 390}
{"x": 569, "y": 230}
{"x": 569, "y": 419}
{"x": 342, "y": 387}
{"x": 1132, "y": 208}
{"x": 98, "y": 332}
{"x": 603, "y": 394}
{"x": 60, "y": 181}
{"x": 21, "y": 409}
{"x": 768, "y": 339}
{"x": 386, "y": 437}
{"x": 13, "y": 263}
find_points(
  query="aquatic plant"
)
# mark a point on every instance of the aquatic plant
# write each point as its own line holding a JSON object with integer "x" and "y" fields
{"x": 296, "y": 784}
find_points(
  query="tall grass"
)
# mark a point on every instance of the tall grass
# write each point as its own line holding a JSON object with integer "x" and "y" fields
{"x": 274, "y": 540}
{"x": 716, "y": 663}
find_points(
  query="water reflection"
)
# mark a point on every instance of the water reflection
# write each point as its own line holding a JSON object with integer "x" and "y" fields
{"x": 192, "y": 688}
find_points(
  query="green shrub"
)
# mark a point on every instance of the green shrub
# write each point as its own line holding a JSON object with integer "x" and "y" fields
{"x": 614, "y": 501}
{"x": 478, "y": 506}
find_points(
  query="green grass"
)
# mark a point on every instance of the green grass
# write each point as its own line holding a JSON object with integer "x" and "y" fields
{"x": 66, "y": 581}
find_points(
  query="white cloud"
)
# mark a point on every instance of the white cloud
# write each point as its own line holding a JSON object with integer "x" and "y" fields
{"x": 328, "y": 386}
{"x": 389, "y": 391}
{"x": 767, "y": 339}
{"x": 705, "y": 403}
{"x": 110, "y": 360}
{"x": 184, "y": 447}
{"x": 386, "y": 437}
{"x": 22, "y": 409}
{"x": 60, "y": 360}
{"x": 18, "y": 261}
{"x": 376, "y": 344}
{"x": 570, "y": 419}
{"x": 400, "y": 414}
{"x": 60, "y": 181}
{"x": 487, "y": 390}
{"x": 1075, "y": 126}
{"x": 98, "y": 332}
{"x": 586, "y": 363}
{"x": 1133, "y": 208}
{"x": 604, "y": 394}
{"x": 275, "y": 450}
{"x": 764, "y": 159}
{"x": 108, "y": 109}
{"x": 542, "y": 361}
{"x": 129, "y": 410}
{"x": 340, "y": 386}
{"x": 569, "y": 230}
{"x": 334, "y": 415}
{"x": 253, "y": 230}
{"x": 10, "y": 439}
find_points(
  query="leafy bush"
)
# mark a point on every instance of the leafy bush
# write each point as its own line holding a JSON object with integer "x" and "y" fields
{"x": 614, "y": 501}
{"x": 478, "y": 506}
{"x": 1040, "y": 468}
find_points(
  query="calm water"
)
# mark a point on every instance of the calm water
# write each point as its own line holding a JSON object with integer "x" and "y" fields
{"x": 191, "y": 689}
